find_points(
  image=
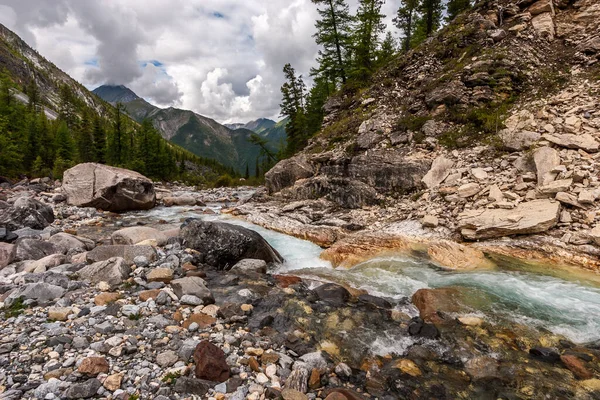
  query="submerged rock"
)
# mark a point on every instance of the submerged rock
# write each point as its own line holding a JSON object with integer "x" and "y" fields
{"x": 108, "y": 188}
{"x": 223, "y": 245}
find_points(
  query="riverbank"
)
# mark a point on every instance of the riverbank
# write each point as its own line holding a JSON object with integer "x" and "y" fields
{"x": 284, "y": 334}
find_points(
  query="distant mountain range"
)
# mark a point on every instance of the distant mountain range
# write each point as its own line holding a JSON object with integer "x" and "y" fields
{"x": 202, "y": 136}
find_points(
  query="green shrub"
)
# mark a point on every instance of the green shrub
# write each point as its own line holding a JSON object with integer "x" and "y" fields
{"x": 223, "y": 181}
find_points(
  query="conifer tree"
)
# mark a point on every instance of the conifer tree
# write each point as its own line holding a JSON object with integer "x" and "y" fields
{"x": 405, "y": 20}
{"x": 85, "y": 140}
{"x": 431, "y": 16}
{"x": 368, "y": 27}
{"x": 387, "y": 50}
{"x": 292, "y": 107}
{"x": 333, "y": 34}
{"x": 99, "y": 136}
{"x": 455, "y": 7}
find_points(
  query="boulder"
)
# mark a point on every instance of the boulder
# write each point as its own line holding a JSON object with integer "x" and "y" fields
{"x": 531, "y": 217}
{"x": 138, "y": 234}
{"x": 108, "y": 188}
{"x": 333, "y": 294}
{"x": 192, "y": 286}
{"x": 450, "y": 93}
{"x": 544, "y": 25}
{"x": 434, "y": 303}
{"x": 546, "y": 159}
{"x": 26, "y": 213}
{"x": 66, "y": 242}
{"x": 179, "y": 201}
{"x": 348, "y": 193}
{"x": 7, "y": 254}
{"x": 440, "y": 169}
{"x": 46, "y": 263}
{"x": 584, "y": 142}
{"x": 223, "y": 245}
{"x": 251, "y": 265}
{"x": 518, "y": 140}
{"x": 287, "y": 172}
{"x": 42, "y": 292}
{"x": 112, "y": 271}
{"x": 34, "y": 249}
{"x": 211, "y": 363}
{"x": 127, "y": 252}
{"x": 455, "y": 256}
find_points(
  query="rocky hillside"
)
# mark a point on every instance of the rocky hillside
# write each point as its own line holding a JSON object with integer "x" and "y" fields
{"x": 489, "y": 129}
{"x": 202, "y": 136}
{"x": 25, "y": 65}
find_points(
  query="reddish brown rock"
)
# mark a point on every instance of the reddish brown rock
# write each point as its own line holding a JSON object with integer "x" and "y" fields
{"x": 93, "y": 366}
{"x": 285, "y": 281}
{"x": 336, "y": 396}
{"x": 104, "y": 298}
{"x": 210, "y": 362}
{"x": 253, "y": 364}
{"x": 314, "y": 381}
{"x": 203, "y": 321}
{"x": 576, "y": 366}
{"x": 149, "y": 294}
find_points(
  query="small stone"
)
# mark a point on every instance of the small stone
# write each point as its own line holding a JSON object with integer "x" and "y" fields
{"x": 164, "y": 275}
{"x": 468, "y": 190}
{"x": 59, "y": 313}
{"x": 479, "y": 174}
{"x": 93, "y": 366}
{"x": 430, "y": 221}
{"x": 106, "y": 298}
{"x": 130, "y": 310}
{"x": 470, "y": 321}
{"x": 149, "y": 294}
{"x": 262, "y": 378}
{"x": 290, "y": 394}
{"x": 113, "y": 382}
{"x": 253, "y": 364}
{"x": 167, "y": 358}
{"x": 408, "y": 367}
{"x": 576, "y": 366}
{"x": 314, "y": 381}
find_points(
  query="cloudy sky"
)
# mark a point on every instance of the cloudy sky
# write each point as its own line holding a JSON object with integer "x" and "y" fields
{"x": 220, "y": 58}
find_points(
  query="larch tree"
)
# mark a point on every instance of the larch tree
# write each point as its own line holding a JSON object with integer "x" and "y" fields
{"x": 405, "y": 21}
{"x": 368, "y": 28}
{"x": 333, "y": 34}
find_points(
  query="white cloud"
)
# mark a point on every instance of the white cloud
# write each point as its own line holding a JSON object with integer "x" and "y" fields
{"x": 220, "y": 58}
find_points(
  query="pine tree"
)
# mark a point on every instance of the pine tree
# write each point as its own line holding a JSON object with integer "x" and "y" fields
{"x": 333, "y": 34}
{"x": 455, "y": 7}
{"x": 315, "y": 101}
{"x": 406, "y": 21}
{"x": 387, "y": 50}
{"x": 118, "y": 139}
{"x": 99, "y": 137}
{"x": 64, "y": 144}
{"x": 85, "y": 140}
{"x": 292, "y": 107}
{"x": 366, "y": 37}
{"x": 431, "y": 16}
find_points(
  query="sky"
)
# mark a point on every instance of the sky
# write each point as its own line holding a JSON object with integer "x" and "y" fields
{"x": 220, "y": 58}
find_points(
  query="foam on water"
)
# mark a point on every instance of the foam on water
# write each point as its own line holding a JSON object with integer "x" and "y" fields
{"x": 564, "y": 307}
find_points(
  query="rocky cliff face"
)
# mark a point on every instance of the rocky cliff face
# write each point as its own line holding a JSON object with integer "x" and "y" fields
{"x": 491, "y": 128}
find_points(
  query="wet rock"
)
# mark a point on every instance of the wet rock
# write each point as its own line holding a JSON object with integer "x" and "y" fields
{"x": 250, "y": 265}
{"x": 408, "y": 367}
{"x": 83, "y": 390}
{"x": 531, "y": 217}
{"x": 223, "y": 245}
{"x": 418, "y": 327}
{"x": 139, "y": 234}
{"x": 193, "y": 286}
{"x": 482, "y": 368}
{"x": 108, "y": 188}
{"x": 26, "y": 212}
{"x": 576, "y": 366}
{"x": 287, "y": 172}
{"x": 333, "y": 294}
{"x": 179, "y": 201}
{"x": 452, "y": 255}
{"x": 545, "y": 354}
{"x": 112, "y": 271}
{"x": 210, "y": 362}
{"x": 432, "y": 301}
{"x": 127, "y": 252}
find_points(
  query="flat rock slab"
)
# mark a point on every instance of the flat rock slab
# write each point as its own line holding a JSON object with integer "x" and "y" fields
{"x": 532, "y": 217}
{"x": 127, "y": 252}
{"x": 584, "y": 142}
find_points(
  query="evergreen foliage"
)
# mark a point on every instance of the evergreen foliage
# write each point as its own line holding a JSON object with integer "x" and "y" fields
{"x": 366, "y": 38}
{"x": 32, "y": 145}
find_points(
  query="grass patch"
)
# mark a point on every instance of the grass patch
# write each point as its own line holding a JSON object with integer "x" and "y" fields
{"x": 135, "y": 317}
{"x": 15, "y": 309}
{"x": 171, "y": 377}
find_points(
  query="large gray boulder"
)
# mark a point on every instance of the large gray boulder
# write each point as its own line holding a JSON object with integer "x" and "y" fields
{"x": 108, "y": 188}
{"x": 223, "y": 245}
{"x": 42, "y": 292}
{"x": 112, "y": 271}
{"x": 532, "y": 217}
{"x": 26, "y": 213}
{"x": 287, "y": 172}
{"x": 34, "y": 249}
{"x": 66, "y": 242}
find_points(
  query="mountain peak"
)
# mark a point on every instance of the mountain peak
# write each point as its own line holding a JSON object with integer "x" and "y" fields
{"x": 115, "y": 93}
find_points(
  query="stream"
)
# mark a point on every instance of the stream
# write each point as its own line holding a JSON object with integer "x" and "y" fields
{"x": 520, "y": 294}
